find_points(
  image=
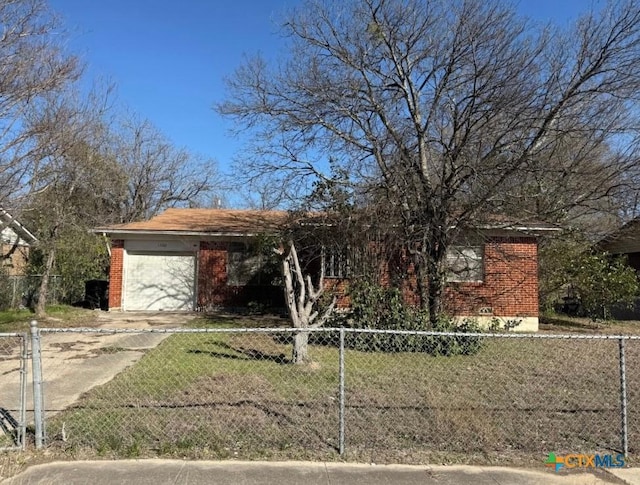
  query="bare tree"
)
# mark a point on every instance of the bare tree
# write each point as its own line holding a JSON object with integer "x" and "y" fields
{"x": 260, "y": 193}
{"x": 302, "y": 298}
{"x": 32, "y": 65}
{"x": 86, "y": 171}
{"x": 72, "y": 181}
{"x": 159, "y": 174}
{"x": 451, "y": 110}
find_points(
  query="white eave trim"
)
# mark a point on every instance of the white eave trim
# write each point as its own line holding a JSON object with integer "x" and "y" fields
{"x": 13, "y": 223}
{"x": 122, "y": 234}
{"x": 522, "y": 228}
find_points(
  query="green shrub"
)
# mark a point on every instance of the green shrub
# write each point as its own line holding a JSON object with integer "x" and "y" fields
{"x": 6, "y": 291}
{"x": 592, "y": 281}
{"x": 378, "y": 308}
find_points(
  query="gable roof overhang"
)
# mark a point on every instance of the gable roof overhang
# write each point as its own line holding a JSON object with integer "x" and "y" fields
{"x": 534, "y": 229}
{"x": 624, "y": 240}
{"x": 201, "y": 223}
{"x": 7, "y": 221}
{"x": 208, "y": 223}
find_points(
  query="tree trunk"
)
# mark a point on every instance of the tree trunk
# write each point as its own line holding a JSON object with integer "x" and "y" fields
{"x": 429, "y": 288}
{"x": 301, "y": 348}
{"x": 301, "y": 297}
{"x": 422, "y": 285}
{"x": 43, "y": 292}
{"x": 435, "y": 298}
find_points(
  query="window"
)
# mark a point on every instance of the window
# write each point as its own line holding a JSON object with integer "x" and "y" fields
{"x": 339, "y": 261}
{"x": 243, "y": 265}
{"x": 465, "y": 264}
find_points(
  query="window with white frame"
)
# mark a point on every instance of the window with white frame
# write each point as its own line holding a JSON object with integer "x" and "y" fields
{"x": 465, "y": 264}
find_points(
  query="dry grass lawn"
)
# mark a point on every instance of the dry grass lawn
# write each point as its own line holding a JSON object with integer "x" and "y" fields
{"x": 216, "y": 395}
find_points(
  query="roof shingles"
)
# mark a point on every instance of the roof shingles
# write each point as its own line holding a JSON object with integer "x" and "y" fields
{"x": 205, "y": 221}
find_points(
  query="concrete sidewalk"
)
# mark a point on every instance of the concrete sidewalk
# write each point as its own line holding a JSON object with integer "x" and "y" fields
{"x": 159, "y": 472}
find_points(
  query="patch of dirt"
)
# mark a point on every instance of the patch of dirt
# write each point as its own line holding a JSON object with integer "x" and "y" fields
{"x": 225, "y": 389}
{"x": 109, "y": 350}
{"x": 64, "y": 346}
{"x": 565, "y": 324}
{"x": 247, "y": 321}
{"x": 312, "y": 366}
{"x": 72, "y": 346}
{"x": 141, "y": 320}
{"x": 80, "y": 357}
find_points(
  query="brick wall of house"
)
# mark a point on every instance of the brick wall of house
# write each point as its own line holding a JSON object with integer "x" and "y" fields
{"x": 212, "y": 274}
{"x": 339, "y": 287}
{"x": 115, "y": 274}
{"x": 213, "y": 285}
{"x": 510, "y": 286}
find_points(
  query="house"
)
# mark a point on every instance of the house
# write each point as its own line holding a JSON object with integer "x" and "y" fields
{"x": 188, "y": 259}
{"x": 624, "y": 242}
{"x": 15, "y": 243}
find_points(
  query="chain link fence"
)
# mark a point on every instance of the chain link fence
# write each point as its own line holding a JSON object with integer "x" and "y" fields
{"x": 365, "y": 395}
{"x": 13, "y": 368}
{"x": 22, "y": 290}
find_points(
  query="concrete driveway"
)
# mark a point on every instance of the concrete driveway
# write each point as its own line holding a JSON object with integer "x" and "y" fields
{"x": 75, "y": 362}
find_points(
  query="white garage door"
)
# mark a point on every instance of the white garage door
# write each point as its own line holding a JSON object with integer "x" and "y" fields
{"x": 157, "y": 281}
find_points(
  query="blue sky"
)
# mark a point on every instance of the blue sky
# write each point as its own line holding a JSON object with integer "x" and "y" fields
{"x": 169, "y": 58}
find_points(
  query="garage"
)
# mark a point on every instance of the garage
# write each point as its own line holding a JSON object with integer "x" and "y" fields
{"x": 159, "y": 281}
{"x": 183, "y": 259}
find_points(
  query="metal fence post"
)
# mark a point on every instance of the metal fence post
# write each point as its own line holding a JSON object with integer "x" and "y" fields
{"x": 36, "y": 361}
{"x": 623, "y": 398}
{"x": 13, "y": 295}
{"x": 23, "y": 391}
{"x": 341, "y": 391}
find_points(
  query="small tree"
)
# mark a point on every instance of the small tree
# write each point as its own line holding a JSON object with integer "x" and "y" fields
{"x": 595, "y": 278}
{"x": 302, "y": 298}
{"x": 601, "y": 282}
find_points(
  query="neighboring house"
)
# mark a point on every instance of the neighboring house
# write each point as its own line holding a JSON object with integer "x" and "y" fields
{"x": 624, "y": 242}
{"x": 188, "y": 259}
{"x": 15, "y": 243}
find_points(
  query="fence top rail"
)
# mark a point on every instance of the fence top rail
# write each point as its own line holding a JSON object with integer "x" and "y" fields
{"x": 501, "y": 335}
{"x": 13, "y": 334}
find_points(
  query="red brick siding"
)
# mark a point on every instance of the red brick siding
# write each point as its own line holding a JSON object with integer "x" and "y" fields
{"x": 510, "y": 286}
{"x": 115, "y": 273}
{"x": 339, "y": 287}
{"x": 213, "y": 288}
{"x": 212, "y": 274}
